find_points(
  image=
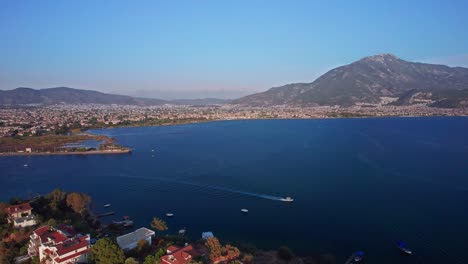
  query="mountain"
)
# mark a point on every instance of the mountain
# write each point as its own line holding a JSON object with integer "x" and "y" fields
{"x": 203, "y": 101}
{"x": 69, "y": 96}
{"x": 369, "y": 79}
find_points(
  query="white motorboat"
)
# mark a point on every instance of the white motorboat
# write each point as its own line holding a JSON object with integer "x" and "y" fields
{"x": 244, "y": 211}
{"x": 169, "y": 214}
{"x": 287, "y": 199}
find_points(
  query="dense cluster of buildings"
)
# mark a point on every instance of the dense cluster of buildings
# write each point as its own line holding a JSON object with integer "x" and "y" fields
{"x": 35, "y": 120}
{"x": 63, "y": 245}
{"x": 60, "y": 245}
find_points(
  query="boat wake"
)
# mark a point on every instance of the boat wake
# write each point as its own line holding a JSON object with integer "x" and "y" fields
{"x": 207, "y": 186}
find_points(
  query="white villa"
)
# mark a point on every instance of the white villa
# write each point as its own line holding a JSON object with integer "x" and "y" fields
{"x": 130, "y": 241}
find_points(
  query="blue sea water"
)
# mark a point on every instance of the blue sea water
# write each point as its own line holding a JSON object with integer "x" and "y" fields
{"x": 359, "y": 184}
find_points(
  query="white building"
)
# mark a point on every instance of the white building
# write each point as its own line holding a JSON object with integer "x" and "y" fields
{"x": 130, "y": 241}
{"x": 59, "y": 246}
{"x": 21, "y": 215}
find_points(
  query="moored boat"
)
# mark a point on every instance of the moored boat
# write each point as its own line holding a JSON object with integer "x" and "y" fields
{"x": 244, "y": 211}
{"x": 358, "y": 256}
{"x": 107, "y": 205}
{"x": 125, "y": 222}
{"x": 169, "y": 214}
{"x": 403, "y": 247}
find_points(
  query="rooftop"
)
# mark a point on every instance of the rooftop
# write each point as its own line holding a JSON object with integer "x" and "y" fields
{"x": 179, "y": 255}
{"x": 135, "y": 236}
{"x": 18, "y": 208}
{"x": 23, "y": 219}
{"x": 72, "y": 245}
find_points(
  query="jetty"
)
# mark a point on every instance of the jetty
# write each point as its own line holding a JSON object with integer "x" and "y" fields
{"x": 105, "y": 214}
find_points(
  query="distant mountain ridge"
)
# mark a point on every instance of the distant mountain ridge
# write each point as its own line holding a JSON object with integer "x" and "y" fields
{"x": 66, "y": 95}
{"x": 369, "y": 79}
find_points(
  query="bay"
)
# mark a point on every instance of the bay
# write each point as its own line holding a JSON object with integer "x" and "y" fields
{"x": 358, "y": 184}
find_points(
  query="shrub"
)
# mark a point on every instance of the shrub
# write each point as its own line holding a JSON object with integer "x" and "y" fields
{"x": 285, "y": 253}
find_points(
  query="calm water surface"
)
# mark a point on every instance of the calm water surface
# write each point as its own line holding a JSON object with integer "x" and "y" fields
{"x": 359, "y": 184}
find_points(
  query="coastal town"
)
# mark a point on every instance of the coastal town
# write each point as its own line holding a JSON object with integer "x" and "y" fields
{"x": 63, "y": 118}
{"x": 60, "y": 228}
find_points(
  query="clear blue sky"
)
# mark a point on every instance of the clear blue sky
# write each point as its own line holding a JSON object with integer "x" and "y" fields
{"x": 215, "y": 48}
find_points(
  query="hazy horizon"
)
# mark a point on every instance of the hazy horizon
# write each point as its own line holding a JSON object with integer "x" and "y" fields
{"x": 214, "y": 49}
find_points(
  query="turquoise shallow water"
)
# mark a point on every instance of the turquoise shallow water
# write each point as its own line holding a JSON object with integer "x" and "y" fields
{"x": 359, "y": 184}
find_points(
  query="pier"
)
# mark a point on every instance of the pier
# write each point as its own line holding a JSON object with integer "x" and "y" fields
{"x": 105, "y": 214}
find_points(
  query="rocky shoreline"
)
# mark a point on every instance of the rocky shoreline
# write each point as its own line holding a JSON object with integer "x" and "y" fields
{"x": 91, "y": 152}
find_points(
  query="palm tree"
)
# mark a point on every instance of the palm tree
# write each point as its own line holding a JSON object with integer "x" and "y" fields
{"x": 158, "y": 224}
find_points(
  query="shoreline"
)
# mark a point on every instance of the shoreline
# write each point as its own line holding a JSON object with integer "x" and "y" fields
{"x": 272, "y": 118}
{"x": 92, "y": 152}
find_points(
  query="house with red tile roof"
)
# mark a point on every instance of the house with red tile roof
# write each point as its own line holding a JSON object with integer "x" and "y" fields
{"x": 178, "y": 255}
{"x": 20, "y": 215}
{"x": 59, "y": 246}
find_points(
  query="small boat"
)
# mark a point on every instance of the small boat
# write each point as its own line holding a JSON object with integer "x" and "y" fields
{"x": 152, "y": 150}
{"x": 169, "y": 214}
{"x": 287, "y": 199}
{"x": 358, "y": 256}
{"x": 25, "y": 165}
{"x": 182, "y": 231}
{"x": 126, "y": 222}
{"x": 403, "y": 247}
{"x": 245, "y": 211}
{"x": 107, "y": 205}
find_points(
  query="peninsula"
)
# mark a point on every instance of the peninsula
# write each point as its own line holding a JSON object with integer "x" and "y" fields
{"x": 52, "y": 144}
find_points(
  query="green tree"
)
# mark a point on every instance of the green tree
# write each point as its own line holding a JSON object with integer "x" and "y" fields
{"x": 285, "y": 253}
{"x": 57, "y": 199}
{"x": 105, "y": 251}
{"x": 78, "y": 202}
{"x": 158, "y": 224}
{"x": 52, "y": 223}
{"x": 150, "y": 259}
{"x": 131, "y": 261}
{"x": 161, "y": 252}
{"x": 35, "y": 260}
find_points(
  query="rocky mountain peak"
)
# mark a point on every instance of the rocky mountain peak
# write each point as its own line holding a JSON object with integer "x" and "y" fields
{"x": 381, "y": 58}
{"x": 367, "y": 81}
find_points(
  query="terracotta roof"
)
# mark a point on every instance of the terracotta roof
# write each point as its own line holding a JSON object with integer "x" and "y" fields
{"x": 71, "y": 256}
{"x": 173, "y": 248}
{"x": 41, "y": 230}
{"x": 181, "y": 256}
{"x": 18, "y": 208}
{"x": 67, "y": 230}
{"x": 45, "y": 232}
{"x": 72, "y": 245}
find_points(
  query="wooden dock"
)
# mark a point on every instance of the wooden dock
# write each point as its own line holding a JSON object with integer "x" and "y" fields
{"x": 105, "y": 214}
